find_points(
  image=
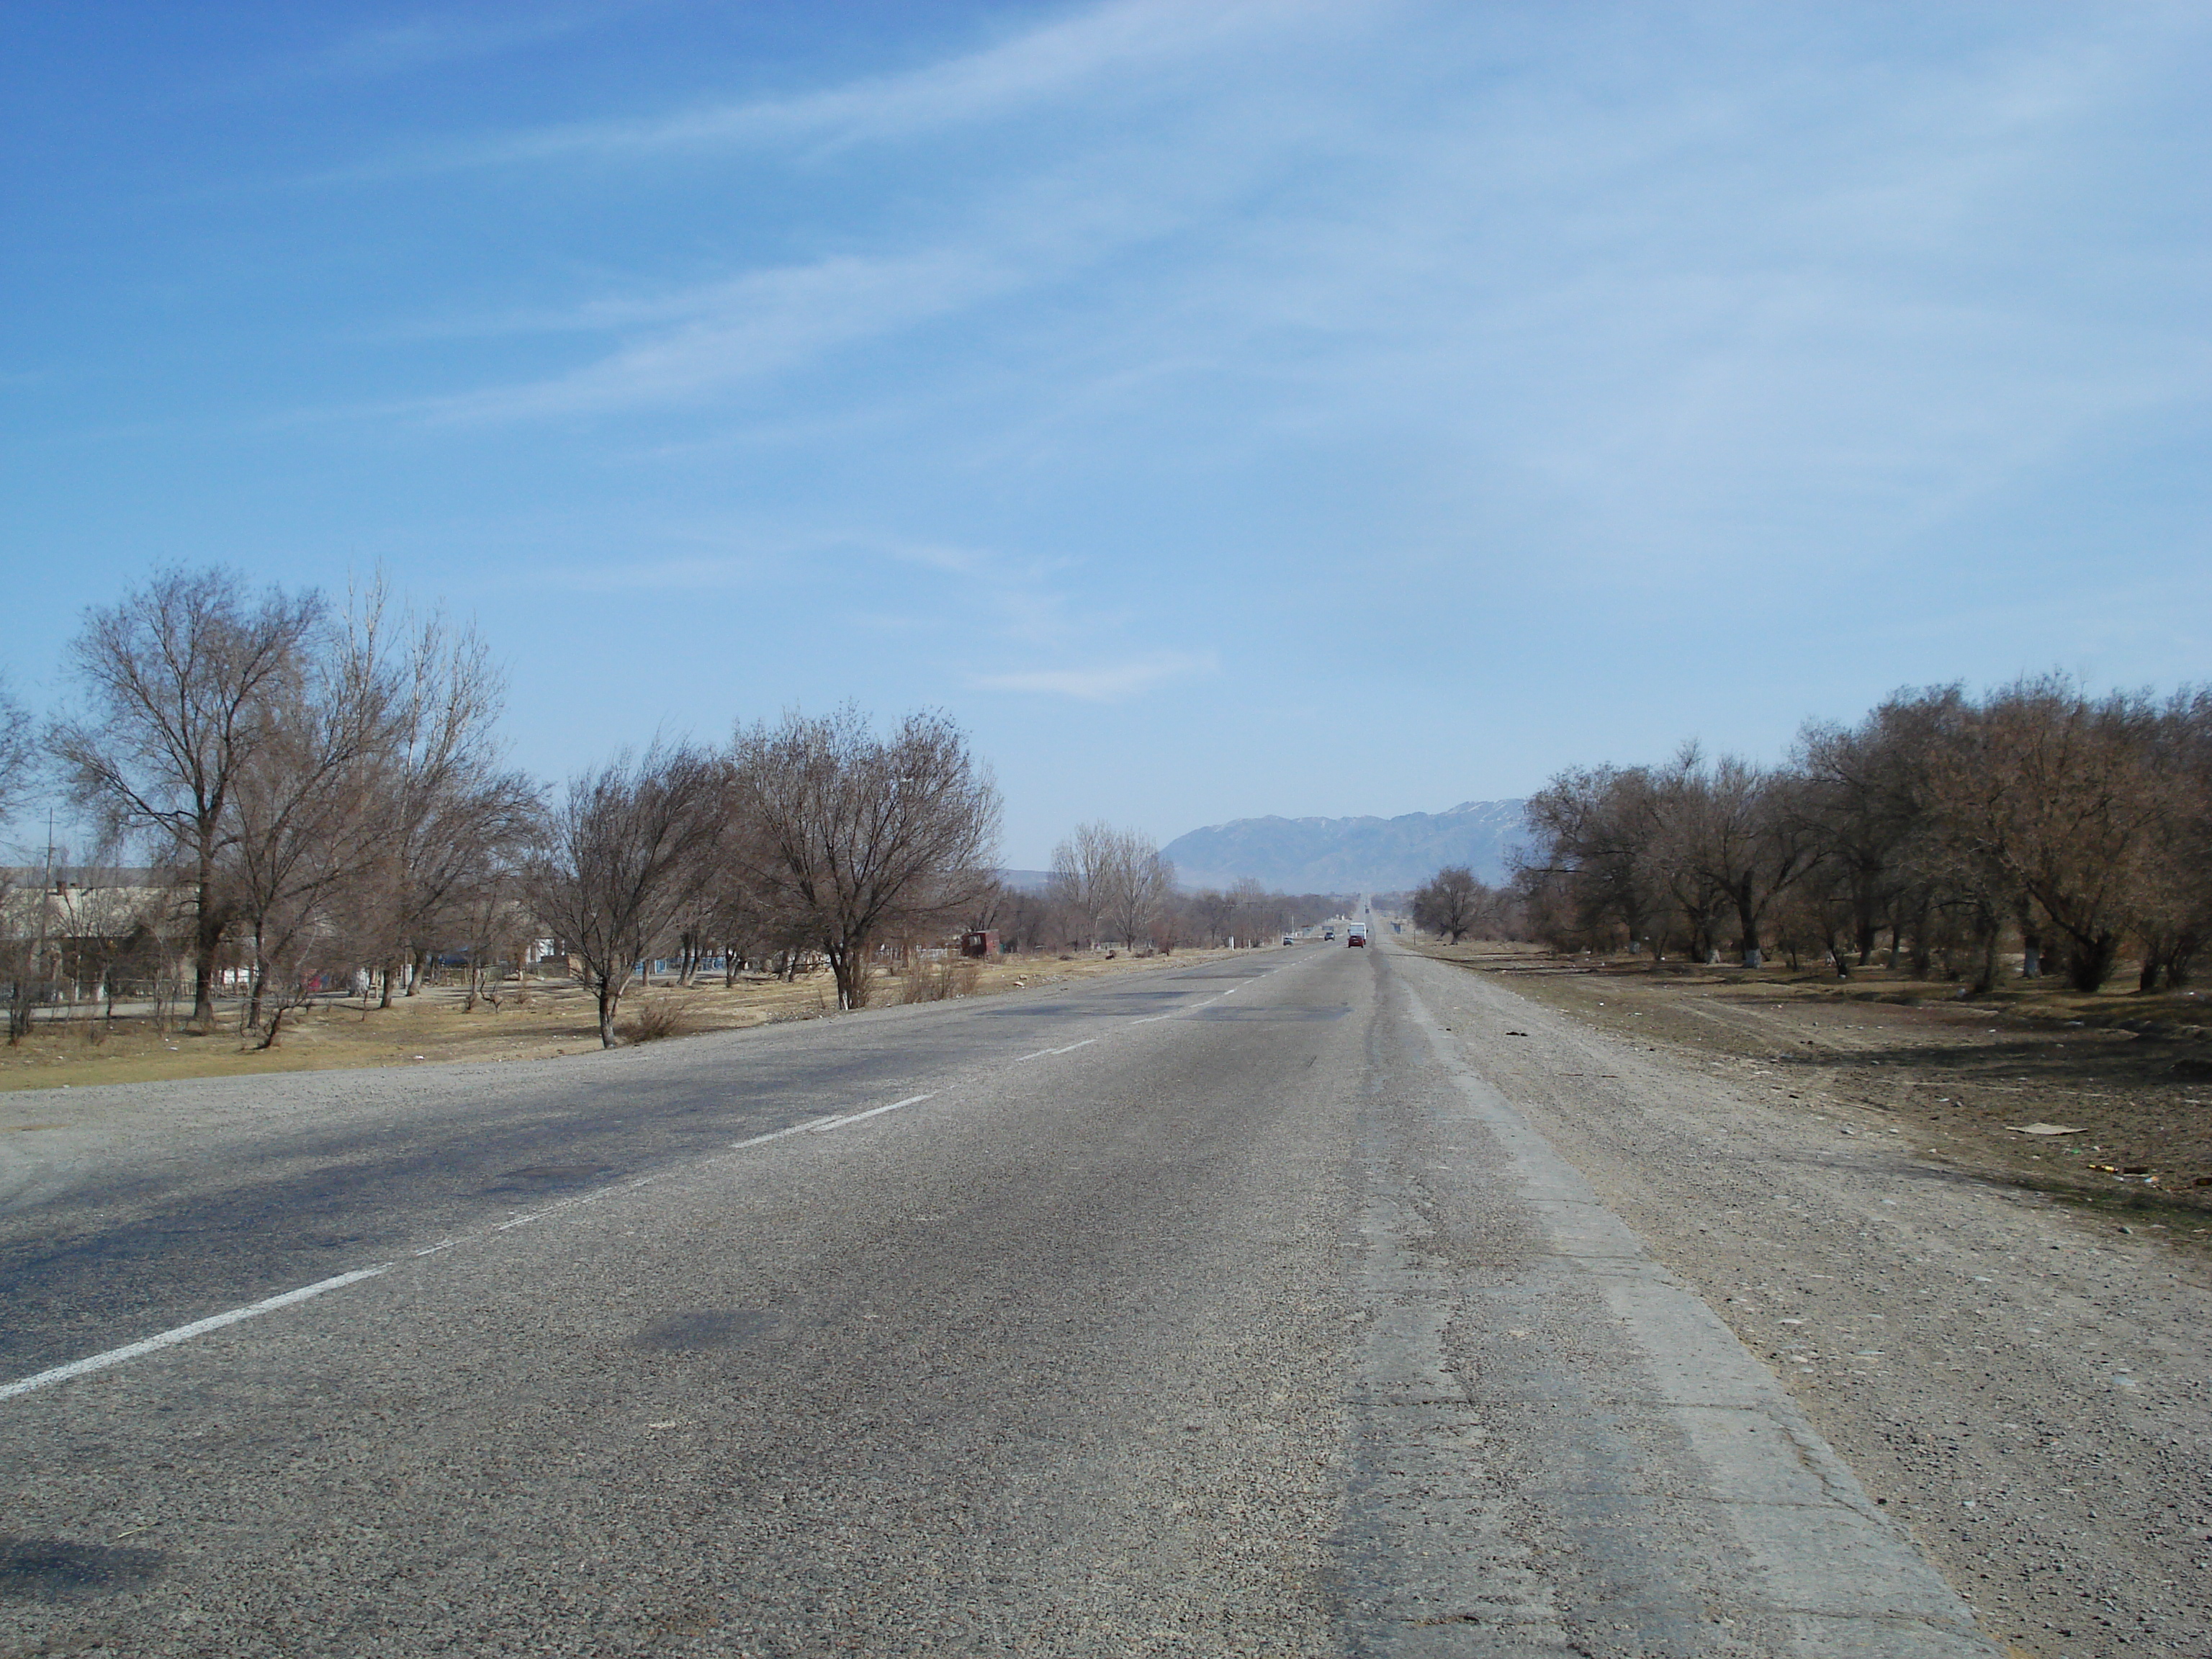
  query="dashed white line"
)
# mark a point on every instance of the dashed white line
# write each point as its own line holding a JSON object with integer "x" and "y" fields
{"x": 184, "y": 1333}
{"x": 778, "y": 1134}
{"x": 874, "y": 1111}
{"x": 1042, "y": 1052}
{"x": 216, "y": 1321}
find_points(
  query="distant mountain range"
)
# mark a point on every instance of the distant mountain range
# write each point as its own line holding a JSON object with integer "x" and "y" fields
{"x": 1350, "y": 855}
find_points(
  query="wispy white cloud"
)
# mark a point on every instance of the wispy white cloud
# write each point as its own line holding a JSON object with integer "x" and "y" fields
{"x": 1016, "y": 601}
{"x": 1103, "y": 682}
{"x": 1114, "y": 45}
{"x": 756, "y": 326}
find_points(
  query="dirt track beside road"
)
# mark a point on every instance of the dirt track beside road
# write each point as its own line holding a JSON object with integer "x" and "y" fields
{"x": 2016, "y": 1366}
{"x": 1958, "y": 1078}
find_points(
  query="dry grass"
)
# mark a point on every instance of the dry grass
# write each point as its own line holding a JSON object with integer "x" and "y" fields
{"x": 556, "y": 1017}
{"x": 941, "y": 981}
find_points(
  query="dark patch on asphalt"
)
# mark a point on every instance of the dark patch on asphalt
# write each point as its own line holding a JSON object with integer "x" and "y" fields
{"x": 59, "y": 1569}
{"x": 1263, "y": 1016}
{"x": 691, "y": 1332}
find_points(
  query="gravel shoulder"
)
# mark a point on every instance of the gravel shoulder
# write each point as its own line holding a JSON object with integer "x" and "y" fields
{"x": 2021, "y": 1378}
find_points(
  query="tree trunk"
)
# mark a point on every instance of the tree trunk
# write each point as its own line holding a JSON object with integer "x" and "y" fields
{"x": 260, "y": 981}
{"x": 611, "y": 991}
{"x": 1747, "y": 919}
{"x": 208, "y": 930}
{"x": 849, "y": 964}
{"x": 1985, "y": 980}
{"x": 2089, "y": 964}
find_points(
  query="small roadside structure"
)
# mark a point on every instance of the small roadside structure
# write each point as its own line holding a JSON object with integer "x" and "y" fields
{"x": 982, "y": 944}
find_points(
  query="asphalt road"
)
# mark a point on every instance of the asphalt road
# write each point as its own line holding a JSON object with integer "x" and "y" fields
{"x": 1227, "y": 1310}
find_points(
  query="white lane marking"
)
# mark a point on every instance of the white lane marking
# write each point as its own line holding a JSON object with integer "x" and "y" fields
{"x": 185, "y": 1333}
{"x": 778, "y": 1134}
{"x": 874, "y": 1111}
{"x": 216, "y": 1321}
{"x": 1042, "y": 1052}
{"x": 592, "y": 1197}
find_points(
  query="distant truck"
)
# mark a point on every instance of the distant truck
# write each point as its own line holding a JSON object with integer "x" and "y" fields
{"x": 1357, "y": 933}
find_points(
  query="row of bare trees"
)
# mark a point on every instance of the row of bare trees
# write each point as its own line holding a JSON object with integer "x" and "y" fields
{"x": 320, "y": 784}
{"x": 322, "y": 791}
{"x": 1111, "y": 884}
{"x": 814, "y": 834}
{"x": 1947, "y": 829}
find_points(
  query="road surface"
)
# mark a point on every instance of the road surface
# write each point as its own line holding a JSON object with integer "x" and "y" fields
{"x": 1223, "y": 1310}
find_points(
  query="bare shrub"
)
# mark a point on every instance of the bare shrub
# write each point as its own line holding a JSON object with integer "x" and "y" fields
{"x": 658, "y": 1017}
{"x": 954, "y": 977}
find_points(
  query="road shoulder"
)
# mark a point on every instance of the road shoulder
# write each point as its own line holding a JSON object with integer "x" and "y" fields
{"x": 2024, "y": 1397}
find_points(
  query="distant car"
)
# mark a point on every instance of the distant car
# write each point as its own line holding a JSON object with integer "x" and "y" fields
{"x": 1357, "y": 938}
{"x": 1328, "y": 933}
{"x": 1287, "y": 940}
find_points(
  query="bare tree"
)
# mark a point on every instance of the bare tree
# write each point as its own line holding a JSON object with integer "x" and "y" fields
{"x": 1733, "y": 826}
{"x": 1083, "y": 873}
{"x": 176, "y": 677}
{"x": 18, "y": 753}
{"x": 622, "y": 861}
{"x": 453, "y": 818}
{"x": 2061, "y": 799}
{"x": 1450, "y": 902}
{"x": 2176, "y": 903}
{"x": 307, "y": 832}
{"x": 1134, "y": 884}
{"x": 851, "y": 836}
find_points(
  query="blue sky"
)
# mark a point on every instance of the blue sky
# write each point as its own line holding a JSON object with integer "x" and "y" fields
{"x": 1220, "y": 408}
